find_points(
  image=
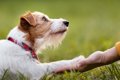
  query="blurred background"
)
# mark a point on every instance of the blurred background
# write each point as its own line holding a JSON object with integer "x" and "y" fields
{"x": 94, "y": 24}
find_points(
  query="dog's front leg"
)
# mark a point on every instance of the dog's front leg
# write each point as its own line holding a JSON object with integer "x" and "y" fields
{"x": 64, "y": 65}
{"x": 38, "y": 70}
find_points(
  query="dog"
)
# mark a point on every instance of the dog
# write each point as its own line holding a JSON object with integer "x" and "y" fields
{"x": 35, "y": 32}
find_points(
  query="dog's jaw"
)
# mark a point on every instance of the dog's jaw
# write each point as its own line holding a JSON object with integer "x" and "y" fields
{"x": 49, "y": 41}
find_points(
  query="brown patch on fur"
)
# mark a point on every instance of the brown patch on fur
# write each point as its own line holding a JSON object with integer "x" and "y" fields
{"x": 27, "y": 21}
{"x": 37, "y": 32}
{"x": 34, "y": 27}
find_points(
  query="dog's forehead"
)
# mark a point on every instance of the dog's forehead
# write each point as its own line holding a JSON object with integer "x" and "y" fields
{"x": 39, "y": 14}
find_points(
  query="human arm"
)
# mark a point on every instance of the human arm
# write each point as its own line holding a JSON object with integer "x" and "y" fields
{"x": 99, "y": 58}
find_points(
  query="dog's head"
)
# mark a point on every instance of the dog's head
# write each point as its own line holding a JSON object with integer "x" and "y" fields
{"x": 43, "y": 31}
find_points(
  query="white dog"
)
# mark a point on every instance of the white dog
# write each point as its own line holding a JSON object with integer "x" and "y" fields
{"x": 35, "y": 32}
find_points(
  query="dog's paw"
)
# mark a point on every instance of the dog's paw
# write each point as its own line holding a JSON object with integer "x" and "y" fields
{"x": 69, "y": 65}
{"x": 77, "y": 62}
{"x": 78, "y": 58}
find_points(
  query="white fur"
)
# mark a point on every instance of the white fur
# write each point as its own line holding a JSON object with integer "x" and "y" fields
{"x": 16, "y": 59}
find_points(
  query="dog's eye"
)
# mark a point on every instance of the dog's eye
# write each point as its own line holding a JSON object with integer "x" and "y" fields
{"x": 44, "y": 18}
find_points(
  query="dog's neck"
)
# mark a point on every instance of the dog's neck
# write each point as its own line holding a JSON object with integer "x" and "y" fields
{"x": 19, "y": 36}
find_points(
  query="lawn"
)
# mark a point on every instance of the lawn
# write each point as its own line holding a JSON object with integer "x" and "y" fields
{"x": 94, "y": 25}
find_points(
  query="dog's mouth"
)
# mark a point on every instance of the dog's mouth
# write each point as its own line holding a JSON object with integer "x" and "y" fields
{"x": 61, "y": 31}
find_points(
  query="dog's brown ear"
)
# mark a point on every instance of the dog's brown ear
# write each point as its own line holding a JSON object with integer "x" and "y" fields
{"x": 27, "y": 21}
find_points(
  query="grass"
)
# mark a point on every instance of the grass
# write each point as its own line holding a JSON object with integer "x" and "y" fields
{"x": 94, "y": 25}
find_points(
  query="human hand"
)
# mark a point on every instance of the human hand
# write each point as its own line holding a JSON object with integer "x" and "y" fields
{"x": 94, "y": 60}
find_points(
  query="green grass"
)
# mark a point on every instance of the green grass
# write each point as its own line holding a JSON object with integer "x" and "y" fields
{"x": 94, "y": 25}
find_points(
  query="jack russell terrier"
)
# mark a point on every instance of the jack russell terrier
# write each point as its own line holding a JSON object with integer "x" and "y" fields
{"x": 35, "y": 32}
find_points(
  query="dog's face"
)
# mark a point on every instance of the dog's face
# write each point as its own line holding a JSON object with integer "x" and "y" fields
{"x": 42, "y": 31}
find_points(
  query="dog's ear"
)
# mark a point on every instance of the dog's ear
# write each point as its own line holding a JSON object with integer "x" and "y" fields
{"x": 27, "y": 21}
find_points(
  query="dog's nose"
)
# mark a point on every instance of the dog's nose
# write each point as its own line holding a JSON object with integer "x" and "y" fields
{"x": 66, "y": 23}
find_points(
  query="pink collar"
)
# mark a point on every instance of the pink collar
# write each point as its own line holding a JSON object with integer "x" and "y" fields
{"x": 25, "y": 47}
